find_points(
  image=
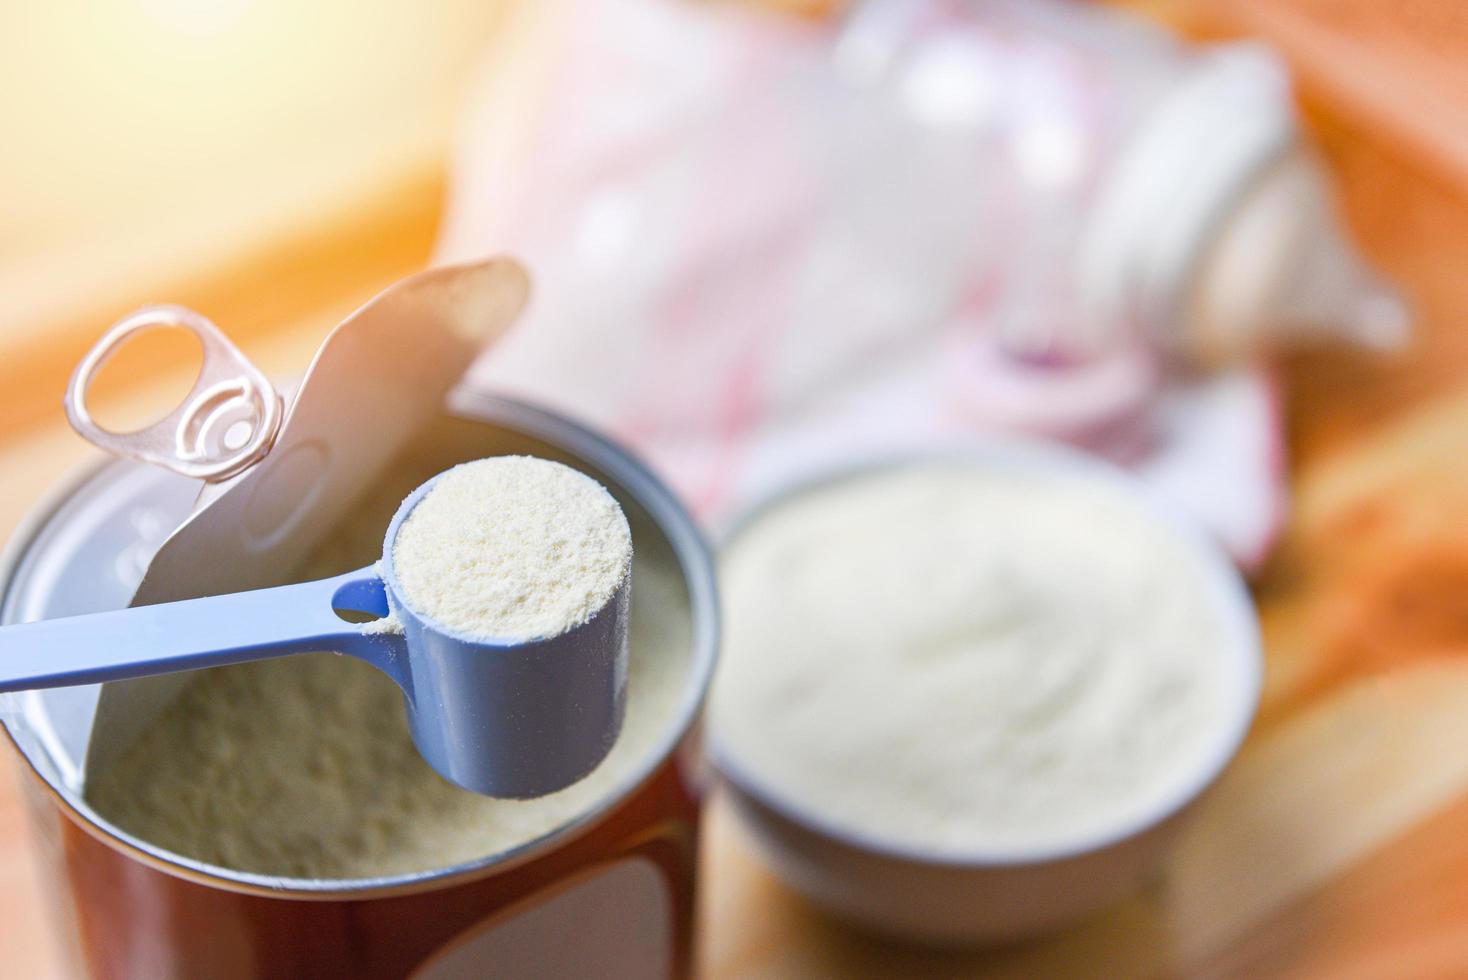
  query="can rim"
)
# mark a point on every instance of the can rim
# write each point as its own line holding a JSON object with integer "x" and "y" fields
{"x": 695, "y": 560}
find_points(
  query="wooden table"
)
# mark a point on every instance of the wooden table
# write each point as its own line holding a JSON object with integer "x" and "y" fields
{"x": 1336, "y": 846}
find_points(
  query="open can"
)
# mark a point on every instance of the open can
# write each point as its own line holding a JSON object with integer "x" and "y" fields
{"x": 608, "y": 892}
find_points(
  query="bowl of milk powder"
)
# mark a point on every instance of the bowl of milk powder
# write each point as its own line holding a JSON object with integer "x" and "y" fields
{"x": 969, "y": 697}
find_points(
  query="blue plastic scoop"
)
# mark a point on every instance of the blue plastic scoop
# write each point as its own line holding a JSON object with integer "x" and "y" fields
{"x": 503, "y": 718}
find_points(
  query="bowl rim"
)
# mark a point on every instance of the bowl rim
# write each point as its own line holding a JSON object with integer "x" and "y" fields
{"x": 1223, "y": 582}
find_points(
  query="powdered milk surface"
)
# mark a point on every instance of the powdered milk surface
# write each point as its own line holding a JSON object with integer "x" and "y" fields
{"x": 966, "y": 662}
{"x": 512, "y": 547}
{"x": 304, "y": 766}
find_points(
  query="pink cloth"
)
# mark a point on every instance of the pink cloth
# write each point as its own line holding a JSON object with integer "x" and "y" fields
{"x": 687, "y": 205}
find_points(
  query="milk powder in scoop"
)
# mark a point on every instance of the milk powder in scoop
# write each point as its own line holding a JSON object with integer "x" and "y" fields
{"x": 543, "y": 560}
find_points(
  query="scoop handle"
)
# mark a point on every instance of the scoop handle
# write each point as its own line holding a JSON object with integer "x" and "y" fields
{"x": 195, "y": 633}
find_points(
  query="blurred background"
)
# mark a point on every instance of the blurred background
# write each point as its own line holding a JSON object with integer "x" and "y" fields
{"x": 275, "y": 164}
{"x": 155, "y": 149}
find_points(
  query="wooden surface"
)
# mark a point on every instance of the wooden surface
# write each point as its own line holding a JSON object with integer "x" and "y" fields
{"x": 1336, "y": 846}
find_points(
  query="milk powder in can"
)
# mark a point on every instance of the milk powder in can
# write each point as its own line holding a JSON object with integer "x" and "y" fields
{"x": 604, "y": 888}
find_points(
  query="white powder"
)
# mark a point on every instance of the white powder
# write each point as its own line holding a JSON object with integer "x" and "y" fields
{"x": 388, "y": 625}
{"x": 512, "y": 547}
{"x": 966, "y": 662}
{"x": 304, "y": 766}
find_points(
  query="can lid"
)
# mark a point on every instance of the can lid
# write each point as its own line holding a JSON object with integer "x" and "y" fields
{"x": 376, "y": 381}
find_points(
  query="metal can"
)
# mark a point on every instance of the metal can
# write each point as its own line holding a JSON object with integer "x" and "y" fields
{"x": 609, "y": 893}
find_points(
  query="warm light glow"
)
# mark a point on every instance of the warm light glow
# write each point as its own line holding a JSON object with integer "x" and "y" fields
{"x": 198, "y": 18}
{"x": 126, "y": 114}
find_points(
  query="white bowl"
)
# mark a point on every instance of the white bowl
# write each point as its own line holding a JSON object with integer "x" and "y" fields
{"x": 993, "y": 897}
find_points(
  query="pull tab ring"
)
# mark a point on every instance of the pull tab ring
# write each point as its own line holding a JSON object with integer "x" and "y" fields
{"x": 227, "y": 421}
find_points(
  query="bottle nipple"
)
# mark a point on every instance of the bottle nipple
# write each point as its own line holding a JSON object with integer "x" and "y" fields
{"x": 1282, "y": 271}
